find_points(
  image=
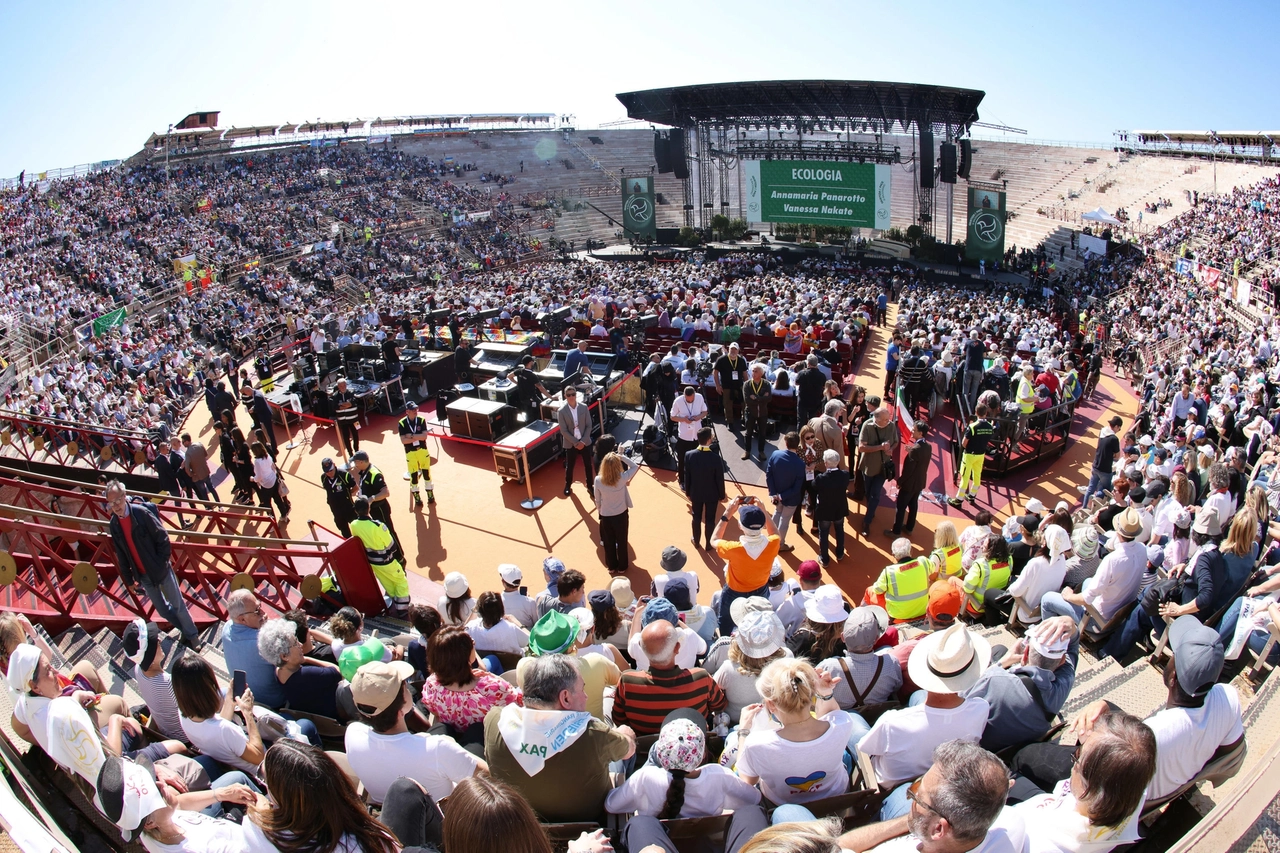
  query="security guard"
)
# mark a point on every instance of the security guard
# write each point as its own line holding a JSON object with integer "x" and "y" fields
{"x": 946, "y": 561}
{"x": 413, "y": 435}
{"x": 904, "y": 586}
{"x": 368, "y": 482}
{"x": 1026, "y": 397}
{"x": 1071, "y": 388}
{"x": 337, "y": 491}
{"x": 380, "y": 547}
{"x": 347, "y": 414}
{"x": 977, "y": 438}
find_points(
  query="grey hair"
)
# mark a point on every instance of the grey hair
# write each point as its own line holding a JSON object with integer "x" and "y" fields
{"x": 276, "y": 639}
{"x": 831, "y": 458}
{"x": 1219, "y": 476}
{"x": 883, "y": 410}
{"x": 240, "y": 601}
{"x": 901, "y": 548}
{"x": 545, "y": 677}
{"x": 812, "y": 360}
{"x": 972, "y": 790}
{"x": 114, "y": 486}
{"x": 833, "y": 407}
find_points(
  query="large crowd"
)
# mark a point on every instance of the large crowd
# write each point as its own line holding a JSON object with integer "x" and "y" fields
{"x": 502, "y": 711}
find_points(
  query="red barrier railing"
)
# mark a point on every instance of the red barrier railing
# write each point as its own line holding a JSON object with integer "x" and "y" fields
{"x": 47, "y": 440}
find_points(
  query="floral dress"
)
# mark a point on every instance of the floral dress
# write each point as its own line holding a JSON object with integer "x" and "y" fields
{"x": 463, "y": 708}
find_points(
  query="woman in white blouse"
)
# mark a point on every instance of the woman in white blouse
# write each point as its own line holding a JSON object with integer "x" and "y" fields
{"x": 266, "y": 476}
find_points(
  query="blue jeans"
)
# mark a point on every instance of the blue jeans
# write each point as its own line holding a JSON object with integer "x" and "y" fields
{"x": 309, "y": 732}
{"x": 872, "y": 486}
{"x": 1053, "y": 604}
{"x": 791, "y": 813}
{"x": 727, "y": 597}
{"x": 1099, "y": 481}
{"x": 1257, "y": 639}
{"x": 167, "y": 599}
{"x": 1134, "y": 627}
{"x": 896, "y": 804}
{"x": 235, "y": 777}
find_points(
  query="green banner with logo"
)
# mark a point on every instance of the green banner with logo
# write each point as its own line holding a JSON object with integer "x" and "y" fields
{"x": 639, "y": 214}
{"x": 103, "y": 324}
{"x": 855, "y": 195}
{"x": 985, "y": 239}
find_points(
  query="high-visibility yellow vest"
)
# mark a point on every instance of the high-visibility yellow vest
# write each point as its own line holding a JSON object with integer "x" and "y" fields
{"x": 907, "y": 596}
{"x": 985, "y": 575}
{"x": 1026, "y": 395}
{"x": 946, "y": 560}
{"x": 379, "y": 544}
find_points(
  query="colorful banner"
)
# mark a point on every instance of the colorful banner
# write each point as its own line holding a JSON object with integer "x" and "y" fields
{"x": 639, "y": 211}
{"x": 184, "y": 263}
{"x": 985, "y": 239}
{"x": 854, "y": 195}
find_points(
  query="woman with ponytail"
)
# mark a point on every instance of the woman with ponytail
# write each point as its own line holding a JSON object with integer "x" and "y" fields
{"x": 675, "y": 783}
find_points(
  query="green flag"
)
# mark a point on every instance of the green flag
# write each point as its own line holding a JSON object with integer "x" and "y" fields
{"x": 103, "y": 324}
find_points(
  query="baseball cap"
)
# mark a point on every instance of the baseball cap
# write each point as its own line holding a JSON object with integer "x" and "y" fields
{"x": 1050, "y": 649}
{"x": 326, "y": 464}
{"x": 1146, "y": 441}
{"x": 1131, "y": 450}
{"x": 944, "y": 602}
{"x": 1155, "y": 555}
{"x": 601, "y": 599}
{"x": 455, "y": 584}
{"x": 751, "y": 517}
{"x": 809, "y": 571}
{"x": 411, "y": 405}
{"x": 1030, "y": 522}
{"x": 1197, "y": 655}
{"x": 863, "y": 627}
{"x": 1035, "y": 507}
{"x": 510, "y": 573}
{"x": 376, "y": 685}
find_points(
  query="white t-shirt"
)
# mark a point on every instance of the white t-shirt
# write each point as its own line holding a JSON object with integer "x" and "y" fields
{"x": 691, "y": 645}
{"x": 739, "y": 689}
{"x": 203, "y": 834}
{"x": 713, "y": 790}
{"x": 660, "y": 582}
{"x": 1186, "y": 738}
{"x": 436, "y": 763}
{"x": 221, "y": 740}
{"x": 522, "y": 607}
{"x": 1007, "y": 835}
{"x": 502, "y": 637}
{"x": 901, "y": 742}
{"x": 794, "y": 772}
{"x": 1054, "y": 825}
{"x": 468, "y": 607}
{"x": 1039, "y": 575}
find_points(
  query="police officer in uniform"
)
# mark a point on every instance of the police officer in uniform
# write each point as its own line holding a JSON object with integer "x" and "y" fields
{"x": 347, "y": 414}
{"x": 530, "y": 387}
{"x": 368, "y": 482}
{"x": 413, "y": 435}
{"x": 337, "y": 491}
{"x": 384, "y": 555}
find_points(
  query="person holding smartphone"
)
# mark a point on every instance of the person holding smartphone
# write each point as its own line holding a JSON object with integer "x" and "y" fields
{"x": 748, "y": 559}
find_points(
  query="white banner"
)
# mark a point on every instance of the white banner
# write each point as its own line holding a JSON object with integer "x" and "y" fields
{"x": 1244, "y": 289}
{"x": 1095, "y": 245}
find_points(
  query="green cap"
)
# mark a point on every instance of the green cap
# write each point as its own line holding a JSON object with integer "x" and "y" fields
{"x": 552, "y": 634}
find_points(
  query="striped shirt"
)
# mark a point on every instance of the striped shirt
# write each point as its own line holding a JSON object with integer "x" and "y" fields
{"x": 644, "y": 698}
{"x": 157, "y": 692}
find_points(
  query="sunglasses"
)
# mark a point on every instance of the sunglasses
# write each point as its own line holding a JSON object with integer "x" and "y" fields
{"x": 913, "y": 794}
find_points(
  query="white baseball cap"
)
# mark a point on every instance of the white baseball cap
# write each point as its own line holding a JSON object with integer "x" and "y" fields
{"x": 510, "y": 573}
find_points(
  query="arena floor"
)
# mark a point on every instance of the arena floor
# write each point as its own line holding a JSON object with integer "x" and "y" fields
{"x": 478, "y": 523}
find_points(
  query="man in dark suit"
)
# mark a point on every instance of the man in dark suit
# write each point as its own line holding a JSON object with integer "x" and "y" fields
{"x": 831, "y": 504}
{"x": 143, "y": 555}
{"x": 222, "y": 400}
{"x": 756, "y": 394}
{"x": 915, "y": 473}
{"x": 704, "y": 484}
{"x": 259, "y": 411}
{"x": 574, "y": 422}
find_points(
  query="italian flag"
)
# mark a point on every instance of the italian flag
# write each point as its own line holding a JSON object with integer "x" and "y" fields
{"x": 906, "y": 423}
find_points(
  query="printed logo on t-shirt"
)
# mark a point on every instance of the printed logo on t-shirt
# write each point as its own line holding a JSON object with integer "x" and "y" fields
{"x": 805, "y": 784}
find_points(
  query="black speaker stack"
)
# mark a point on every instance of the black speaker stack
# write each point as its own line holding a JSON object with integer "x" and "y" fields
{"x": 925, "y": 159}
{"x": 966, "y": 158}
{"x": 679, "y": 164}
{"x": 947, "y": 161}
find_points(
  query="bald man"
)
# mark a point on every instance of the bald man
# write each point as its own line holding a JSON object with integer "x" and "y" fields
{"x": 644, "y": 699}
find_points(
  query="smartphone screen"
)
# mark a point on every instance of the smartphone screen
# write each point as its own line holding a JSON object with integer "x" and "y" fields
{"x": 524, "y": 590}
{"x": 238, "y": 682}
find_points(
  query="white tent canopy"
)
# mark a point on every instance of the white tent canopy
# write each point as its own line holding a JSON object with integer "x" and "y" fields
{"x": 1100, "y": 215}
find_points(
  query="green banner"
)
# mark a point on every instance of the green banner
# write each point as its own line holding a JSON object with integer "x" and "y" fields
{"x": 107, "y": 322}
{"x": 855, "y": 195}
{"x": 639, "y": 213}
{"x": 985, "y": 240}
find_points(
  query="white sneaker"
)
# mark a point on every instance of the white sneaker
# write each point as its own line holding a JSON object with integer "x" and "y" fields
{"x": 1082, "y": 489}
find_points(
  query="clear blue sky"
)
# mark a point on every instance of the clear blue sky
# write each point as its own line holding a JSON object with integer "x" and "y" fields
{"x": 89, "y": 81}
